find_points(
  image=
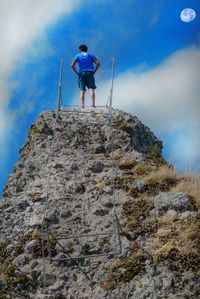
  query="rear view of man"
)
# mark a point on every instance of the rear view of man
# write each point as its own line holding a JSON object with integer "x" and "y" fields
{"x": 86, "y": 73}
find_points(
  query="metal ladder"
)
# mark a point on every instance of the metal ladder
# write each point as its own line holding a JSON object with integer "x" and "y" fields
{"x": 101, "y": 116}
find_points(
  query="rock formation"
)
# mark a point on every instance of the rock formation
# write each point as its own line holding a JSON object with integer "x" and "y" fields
{"x": 94, "y": 211}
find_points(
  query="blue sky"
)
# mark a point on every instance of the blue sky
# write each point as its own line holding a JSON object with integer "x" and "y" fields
{"x": 157, "y": 67}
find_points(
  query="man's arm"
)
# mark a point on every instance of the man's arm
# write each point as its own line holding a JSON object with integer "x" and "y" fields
{"x": 73, "y": 66}
{"x": 96, "y": 61}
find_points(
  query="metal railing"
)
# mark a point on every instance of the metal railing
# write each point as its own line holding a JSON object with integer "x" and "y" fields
{"x": 59, "y": 98}
{"x": 109, "y": 101}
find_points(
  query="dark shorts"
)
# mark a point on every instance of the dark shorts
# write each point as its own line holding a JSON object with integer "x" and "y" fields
{"x": 86, "y": 79}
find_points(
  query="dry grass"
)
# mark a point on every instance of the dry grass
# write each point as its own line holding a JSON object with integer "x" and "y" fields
{"x": 163, "y": 173}
{"x": 118, "y": 154}
{"x": 177, "y": 239}
{"x": 100, "y": 186}
{"x": 185, "y": 239}
{"x": 188, "y": 177}
{"x": 109, "y": 283}
{"x": 164, "y": 249}
{"x": 168, "y": 218}
{"x": 189, "y": 235}
{"x": 174, "y": 236}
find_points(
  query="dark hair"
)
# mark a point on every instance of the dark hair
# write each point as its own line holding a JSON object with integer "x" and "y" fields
{"x": 83, "y": 48}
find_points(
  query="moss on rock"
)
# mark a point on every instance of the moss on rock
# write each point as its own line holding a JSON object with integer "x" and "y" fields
{"x": 126, "y": 269}
{"x": 122, "y": 125}
{"x": 140, "y": 169}
{"x": 155, "y": 150}
{"x": 127, "y": 164}
{"x": 41, "y": 246}
{"x": 4, "y": 254}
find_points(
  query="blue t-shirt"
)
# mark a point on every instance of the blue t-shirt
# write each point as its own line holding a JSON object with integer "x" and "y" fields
{"x": 85, "y": 61}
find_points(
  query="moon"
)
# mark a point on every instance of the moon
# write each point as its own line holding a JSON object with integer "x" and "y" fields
{"x": 188, "y": 15}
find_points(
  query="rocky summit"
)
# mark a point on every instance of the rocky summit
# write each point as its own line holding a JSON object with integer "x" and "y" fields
{"x": 92, "y": 210}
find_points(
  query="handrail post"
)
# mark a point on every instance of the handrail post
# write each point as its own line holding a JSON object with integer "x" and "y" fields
{"x": 111, "y": 90}
{"x": 59, "y": 90}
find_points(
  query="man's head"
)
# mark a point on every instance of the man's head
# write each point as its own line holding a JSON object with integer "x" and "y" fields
{"x": 83, "y": 48}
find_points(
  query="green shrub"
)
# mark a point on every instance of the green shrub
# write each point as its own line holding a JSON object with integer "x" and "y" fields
{"x": 140, "y": 169}
{"x": 155, "y": 150}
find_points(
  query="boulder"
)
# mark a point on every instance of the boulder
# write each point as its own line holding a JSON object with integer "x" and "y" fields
{"x": 29, "y": 248}
{"x": 35, "y": 220}
{"x": 20, "y": 260}
{"x": 46, "y": 279}
{"x": 171, "y": 200}
{"x": 96, "y": 166}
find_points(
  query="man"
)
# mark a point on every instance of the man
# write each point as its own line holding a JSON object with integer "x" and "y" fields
{"x": 86, "y": 73}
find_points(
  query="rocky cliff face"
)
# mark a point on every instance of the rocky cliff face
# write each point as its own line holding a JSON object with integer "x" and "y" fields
{"x": 94, "y": 211}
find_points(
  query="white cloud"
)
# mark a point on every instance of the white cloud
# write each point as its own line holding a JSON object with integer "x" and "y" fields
{"x": 185, "y": 150}
{"x": 166, "y": 98}
{"x": 21, "y": 22}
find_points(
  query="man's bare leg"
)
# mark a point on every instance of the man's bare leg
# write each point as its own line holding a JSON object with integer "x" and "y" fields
{"x": 92, "y": 96}
{"x": 82, "y": 98}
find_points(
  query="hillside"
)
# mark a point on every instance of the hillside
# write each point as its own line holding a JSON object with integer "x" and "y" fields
{"x": 94, "y": 211}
